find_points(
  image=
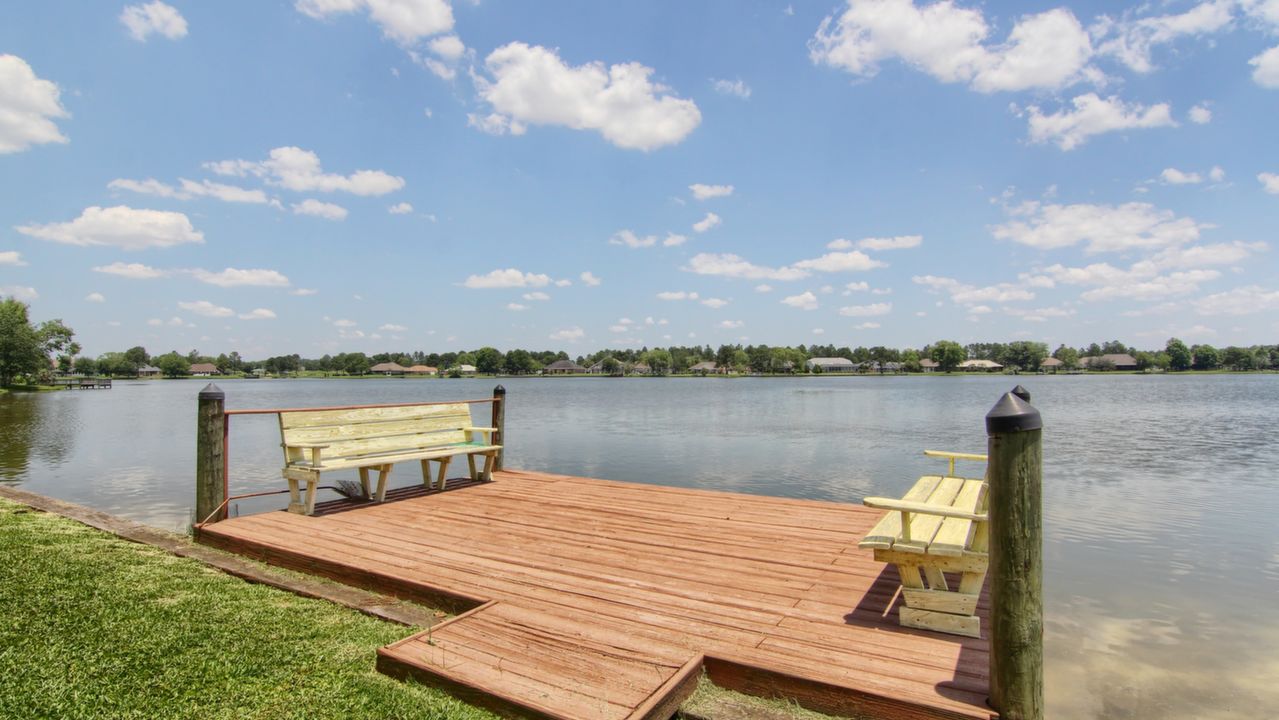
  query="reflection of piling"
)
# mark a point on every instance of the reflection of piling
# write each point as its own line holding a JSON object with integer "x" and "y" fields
{"x": 499, "y": 424}
{"x": 1015, "y": 474}
{"x": 210, "y": 454}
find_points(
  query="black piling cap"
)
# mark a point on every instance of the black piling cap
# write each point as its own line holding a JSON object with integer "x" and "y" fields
{"x": 1022, "y": 393}
{"x": 499, "y": 390}
{"x": 212, "y": 392}
{"x": 1012, "y": 414}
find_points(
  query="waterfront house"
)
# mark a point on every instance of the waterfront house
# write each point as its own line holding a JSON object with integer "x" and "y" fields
{"x": 708, "y": 367}
{"x": 928, "y": 365}
{"x": 388, "y": 368}
{"x": 1051, "y": 364}
{"x": 466, "y": 369}
{"x": 980, "y": 366}
{"x": 831, "y": 364}
{"x": 148, "y": 371}
{"x": 205, "y": 369}
{"x": 1112, "y": 361}
{"x": 421, "y": 370}
{"x": 640, "y": 369}
{"x": 563, "y": 367}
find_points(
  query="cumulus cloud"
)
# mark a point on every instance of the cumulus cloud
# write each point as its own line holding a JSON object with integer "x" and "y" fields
{"x": 1173, "y": 176}
{"x": 404, "y": 21}
{"x": 715, "y": 303}
{"x": 589, "y": 279}
{"x": 531, "y": 85}
{"x": 804, "y": 301}
{"x": 392, "y": 327}
{"x": 901, "y": 242}
{"x": 516, "y": 307}
{"x": 673, "y": 240}
{"x": 153, "y": 18}
{"x": 304, "y": 292}
{"x": 966, "y": 294}
{"x": 736, "y": 88}
{"x": 1092, "y": 115}
{"x": 120, "y": 226}
{"x": 1200, "y": 115}
{"x": 28, "y": 107}
{"x": 1266, "y": 68}
{"x": 854, "y": 261}
{"x": 631, "y": 240}
{"x": 1269, "y": 182}
{"x": 730, "y": 265}
{"x": 706, "y": 223}
{"x": 234, "y": 277}
{"x": 300, "y": 170}
{"x": 1133, "y": 38}
{"x": 731, "y": 324}
{"x": 572, "y": 334}
{"x": 1156, "y": 288}
{"x": 95, "y": 297}
{"x": 12, "y": 258}
{"x": 868, "y": 325}
{"x": 1103, "y": 228}
{"x": 495, "y": 124}
{"x": 258, "y": 314}
{"x": 400, "y": 209}
{"x": 872, "y": 310}
{"x": 133, "y": 271}
{"x": 763, "y": 288}
{"x": 24, "y": 293}
{"x": 507, "y": 278}
{"x": 206, "y": 308}
{"x": 536, "y": 295}
{"x": 189, "y": 189}
{"x": 1239, "y": 301}
{"x": 1049, "y": 50}
{"x": 676, "y": 295}
{"x": 328, "y": 211}
{"x": 706, "y": 192}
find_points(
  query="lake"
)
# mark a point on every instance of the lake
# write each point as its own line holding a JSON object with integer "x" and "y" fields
{"x": 1161, "y": 493}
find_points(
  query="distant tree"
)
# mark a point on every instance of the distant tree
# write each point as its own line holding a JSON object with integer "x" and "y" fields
{"x": 741, "y": 362}
{"x": 518, "y": 362}
{"x": 1024, "y": 354}
{"x": 173, "y": 365}
{"x": 1162, "y": 360}
{"x": 1144, "y": 360}
{"x": 761, "y": 358}
{"x": 86, "y": 366}
{"x": 1101, "y": 364}
{"x": 1069, "y": 357}
{"x": 659, "y": 362}
{"x": 910, "y": 361}
{"x": 65, "y": 363}
{"x": 612, "y": 366}
{"x": 1205, "y": 357}
{"x": 1179, "y": 357}
{"x": 1114, "y": 347}
{"x": 488, "y": 360}
{"x": 137, "y": 356}
{"x": 466, "y": 358}
{"x": 948, "y": 355}
{"x": 1237, "y": 358}
{"x": 113, "y": 363}
{"x": 356, "y": 363}
{"x": 25, "y": 348}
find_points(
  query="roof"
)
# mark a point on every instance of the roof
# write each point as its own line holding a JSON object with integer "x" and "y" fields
{"x": 830, "y": 361}
{"x": 421, "y": 369}
{"x": 707, "y": 365}
{"x": 388, "y": 367}
{"x": 928, "y": 362}
{"x": 148, "y": 368}
{"x": 564, "y": 365}
{"x": 1051, "y": 362}
{"x": 1116, "y": 359}
{"x": 987, "y": 364}
{"x": 204, "y": 368}
{"x": 466, "y": 368}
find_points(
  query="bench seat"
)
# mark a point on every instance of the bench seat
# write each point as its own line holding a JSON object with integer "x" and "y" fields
{"x": 938, "y": 526}
{"x": 365, "y": 439}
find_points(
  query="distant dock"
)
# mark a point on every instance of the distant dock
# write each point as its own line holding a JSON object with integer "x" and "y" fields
{"x": 84, "y": 383}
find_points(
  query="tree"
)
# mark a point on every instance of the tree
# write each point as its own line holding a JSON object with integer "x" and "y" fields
{"x": 1205, "y": 357}
{"x": 519, "y": 362}
{"x": 25, "y": 348}
{"x": 173, "y": 365}
{"x": 1025, "y": 354}
{"x": 1145, "y": 360}
{"x": 611, "y": 366}
{"x": 137, "y": 355}
{"x": 948, "y": 355}
{"x": 910, "y": 361}
{"x": 659, "y": 362}
{"x": 86, "y": 366}
{"x": 1069, "y": 357}
{"x": 1179, "y": 356}
{"x": 1237, "y": 358}
{"x": 488, "y": 361}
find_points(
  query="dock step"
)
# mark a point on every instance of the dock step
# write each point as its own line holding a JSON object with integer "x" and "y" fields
{"x": 527, "y": 663}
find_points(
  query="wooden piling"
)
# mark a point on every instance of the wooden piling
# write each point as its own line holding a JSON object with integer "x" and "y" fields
{"x": 210, "y": 454}
{"x": 1014, "y": 432}
{"x": 499, "y": 422}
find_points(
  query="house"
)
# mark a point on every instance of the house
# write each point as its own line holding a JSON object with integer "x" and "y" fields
{"x": 641, "y": 369}
{"x": 466, "y": 369}
{"x": 148, "y": 371}
{"x": 980, "y": 366}
{"x": 891, "y": 367}
{"x": 831, "y": 364}
{"x": 563, "y": 367}
{"x": 204, "y": 369}
{"x": 1051, "y": 364}
{"x": 928, "y": 365}
{"x": 706, "y": 368}
{"x": 422, "y": 370}
{"x": 1112, "y": 361}
{"x": 388, "y": 368}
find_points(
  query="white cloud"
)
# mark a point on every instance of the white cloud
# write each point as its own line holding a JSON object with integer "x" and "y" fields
{"x": 532, "y": 85}
{"x": 589, "y": 278}
{"x": 206, "y": 308}
{"x": 731, "y": 324}
{"x": 1156, "y": 288}
{"x": 133, "y": 271}
{"x": 400, "y": 209}
{"x": 677, "y": 295}
{"x": 304, "y": 292}
{"x": 901, "y": 242}
{"x": 12, "y": 258}
{"x": 536, "y": 295}
{"x": 508, "y": 278}
{"x": 730, "y": 265}
{"x": 566, "y": 282}
{"x": 392, "y": 327}
{"x": 871, "y": 310}
{"x": 1049, "y": 50}
{"x": 572, "y": 334}
{"x": 1239, "y": 301}
{"x": 1216, "y": 174}
{"x": 840, "y": 244}
{"x": 190, "y": 189}
{"x": 868, "y": 325}
{"x": 804, "y": 301}
{"x": 1104, "y": 228}
{"x": 980, "y": 310}
{"x": 1135, "y": 38}
{"x": 95, "y": 297}
{"x": 854, "y": 261}
{"x": 1200, "y": 115}
{"x": 715, "y": 303}
{"x": 1039, "y": 314}
{"x": 403, "y": 21}
{"x": 673, "y": 240}
{"x": 1173, "y": 176}
{"x": 344, "y": 323}
{"x": 964, "y": 294}
{"x": 706, "y": 223}
{"x": 328, "y": 211}
{"x": 1093, "y": 116}
{"x": 120, "y": 226}
{"x": 706, "y": 192}
{"x": 631, "y": 240}
{"x": 28, "y": 107}
{"x": 153, "y": 18}
{"x": 819, "y": 331}
{"x": 619, "y": 328}
{"x": 763, "y": 288}
{"x": 495, "y": 124}
{"x": 449, "y": 47}
{"x": 736, "y": 88}
{"x": 258, "y": 314}
{"x": 516, "y": 307}
{"x": 234, "y": 277}
{"x": 299, "y": 170}
{"x": 1266, "y": 72}
{"x": 1269, "y": 182}
{"x": 862, "y": 286}
{"x": 19, "y": 292}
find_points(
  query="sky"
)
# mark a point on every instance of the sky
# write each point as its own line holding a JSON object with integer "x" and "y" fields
{"x": 327, "y": 176}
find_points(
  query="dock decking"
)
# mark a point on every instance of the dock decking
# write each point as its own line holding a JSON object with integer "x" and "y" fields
{"x": 594, "y": 598}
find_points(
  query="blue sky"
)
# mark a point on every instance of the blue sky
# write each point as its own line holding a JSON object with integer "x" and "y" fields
{"x": 324, "y": 176}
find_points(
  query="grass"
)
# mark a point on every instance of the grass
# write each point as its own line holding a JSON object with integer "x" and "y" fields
{"x": 95, "y": 626}
{"x": 712, "y": 701}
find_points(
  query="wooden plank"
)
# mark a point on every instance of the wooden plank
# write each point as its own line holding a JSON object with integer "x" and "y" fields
{"x": 317, "y": 418}
{"x": 955, "y": 534}
{"x": 889, "y": 529}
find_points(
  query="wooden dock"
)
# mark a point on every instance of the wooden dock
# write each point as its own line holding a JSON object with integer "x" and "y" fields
{"x": 586, "y": 598}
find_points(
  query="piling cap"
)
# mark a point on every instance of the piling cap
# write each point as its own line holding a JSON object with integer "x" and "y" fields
{"x": 1022, "y": 393}
{"x": 499, "y": 390}
{"x": 212, "y": 392}
{"x": 1012, "y": 414}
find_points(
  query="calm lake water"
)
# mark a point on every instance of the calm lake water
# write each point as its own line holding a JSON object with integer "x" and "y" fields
{"x": 1161, "y": 497}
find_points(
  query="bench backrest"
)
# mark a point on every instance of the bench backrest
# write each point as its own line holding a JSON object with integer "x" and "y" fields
{"x": 374, "y": 431}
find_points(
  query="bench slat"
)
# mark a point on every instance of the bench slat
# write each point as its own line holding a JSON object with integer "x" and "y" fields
{"x": 924, "y": 527}
{"x": 318, "y": 418}
{"x": 382, "y": 445}
{"x": 360, "y": 431}
{"x": 889, "y": 527}
{"x": 955, "y": 533}
{"x": 303, "y": 468}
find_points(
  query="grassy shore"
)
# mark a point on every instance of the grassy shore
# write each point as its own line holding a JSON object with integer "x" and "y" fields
{"x": 95, "y": 626}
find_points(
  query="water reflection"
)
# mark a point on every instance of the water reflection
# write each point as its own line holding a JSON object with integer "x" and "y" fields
{"x": 1161, "y": 550}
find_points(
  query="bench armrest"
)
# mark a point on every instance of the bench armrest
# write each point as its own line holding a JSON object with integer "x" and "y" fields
{"x": 953, "y": 456}
{"x": 481, "y": 429}
{"x": 488, "y": 432}
{"x": 921, "y": 508}
{"x": 315, "y": 449}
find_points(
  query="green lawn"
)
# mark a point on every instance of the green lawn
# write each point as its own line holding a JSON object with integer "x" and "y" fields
{"x": 92, "y": 626}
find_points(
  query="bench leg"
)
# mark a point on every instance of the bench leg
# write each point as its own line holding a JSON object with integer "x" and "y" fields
{"x": 364, "y": 482}
{"x": 444, "y": 468}
{"x": 470, "y": 463}
{"x": 310, "y": 494}
{"x": 910, "y": 576}
{"x": 382, "y": 474}
{"x": 426, "y": 474}
{"x": 489, "y": 461}
{"x": 295, "y": 498}
{"x": 936, "y": 578}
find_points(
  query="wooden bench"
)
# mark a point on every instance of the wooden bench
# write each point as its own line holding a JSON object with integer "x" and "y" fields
{"x": 375, "y": 438}
{"x": 938, "y": 527}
